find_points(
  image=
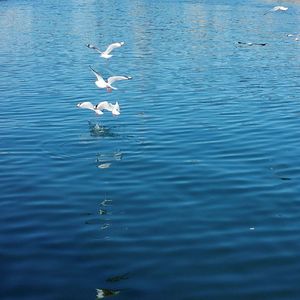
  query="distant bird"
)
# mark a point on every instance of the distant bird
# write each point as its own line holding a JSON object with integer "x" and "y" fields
{"x": 98, "y": 109}
{"x": 106, "y": 84}
{"x": 277, "y": 8}
{"x": 297, "y": 36}
{"x": 106, "y": 54}
{"x": 252, "y": 44}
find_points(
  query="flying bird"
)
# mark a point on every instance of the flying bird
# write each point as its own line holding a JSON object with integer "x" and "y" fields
{"x": 252, "y": 44}
{"x": 113, "y": 108}
{"x": 277, "y": 8}
{"x": 297, "y": 36}
{"x": 106, "y": 84}
{"x": 98, "y": 108}
{"x": 106, "y": 54}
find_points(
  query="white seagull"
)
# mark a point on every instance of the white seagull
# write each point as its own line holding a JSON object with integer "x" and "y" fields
{"x": 297, "y": 36}
{"x": 252, "y": 44}
{"x": 277, "y": 8}
{"x": 106, "y": 54}
{"x": 106, "y": 84}
{"x": 113, "y": 108}
{"x": 98, "y": 108}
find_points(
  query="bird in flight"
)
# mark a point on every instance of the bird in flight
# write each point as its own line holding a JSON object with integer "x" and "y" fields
{"x": 277, "y": 8}
{"x": 98, "y": 108}
{"x": 107, "y": 84}
{"x": 252, "y": 44}
{"x": 106, "y": 54}
{"x": 297, "y": 36}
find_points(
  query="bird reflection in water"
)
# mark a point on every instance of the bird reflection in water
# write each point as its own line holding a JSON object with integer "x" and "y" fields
{"x": 98, "y": 130}
{"x": 105, "y": 160}
{"x": 101, "y": 293}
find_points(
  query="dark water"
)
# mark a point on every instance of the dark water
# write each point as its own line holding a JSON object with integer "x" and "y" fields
{"x": 191, "y": 193}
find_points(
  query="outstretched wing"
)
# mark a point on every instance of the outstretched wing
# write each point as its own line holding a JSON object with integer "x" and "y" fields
{"x": 98, "y": 75}
{"x": 112, "y": 79}
{"x": 93, "y": 47}
{"x": 111, "y": 47}
{"x": 87, "y": 105}
{"x": 104, "y": 105}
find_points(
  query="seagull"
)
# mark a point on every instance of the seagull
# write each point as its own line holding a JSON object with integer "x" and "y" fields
{"x": 102, "y": 84}
{"x": 113, "y": 108}
{"x": 297, "y": 36}
{"x": 98, "y": 108}
{"x": 106, "y": 54}
{"x": 277, "y": 8}
{"x": 252, "y": 44}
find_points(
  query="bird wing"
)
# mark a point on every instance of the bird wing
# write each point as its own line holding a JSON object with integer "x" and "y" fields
{"x": 87, "y": 105}
{"x": 284, "y": 8}
{"x": 112, "y": 79}
{"x": 98, "y": 75}
{"x": 275, "y": 8}
{"x": 93, "y": 47}
{"x": 111, "y": 47}
{"x": 271, "y": 10}
{"x": 260, "y": 44}
{"x": 104, "y": 105}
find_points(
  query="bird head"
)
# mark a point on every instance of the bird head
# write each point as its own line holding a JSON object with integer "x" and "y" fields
{"x": 116, "y": 109}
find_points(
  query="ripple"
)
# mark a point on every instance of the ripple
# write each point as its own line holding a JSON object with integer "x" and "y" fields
{"x": 191, "y": 193}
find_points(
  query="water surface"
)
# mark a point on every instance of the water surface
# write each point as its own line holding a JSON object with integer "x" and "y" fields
{"x": 191, "y": 193}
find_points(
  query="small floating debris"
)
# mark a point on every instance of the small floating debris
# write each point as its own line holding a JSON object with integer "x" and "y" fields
{"x": 104, "y": 166}
{"x": 252, "y": 228}
{"x": 101, "y": 293}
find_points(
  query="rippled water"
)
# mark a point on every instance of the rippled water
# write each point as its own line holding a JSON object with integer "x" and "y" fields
{"x": 191, "y": 193}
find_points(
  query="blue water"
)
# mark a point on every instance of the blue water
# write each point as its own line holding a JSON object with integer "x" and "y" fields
{"x": 191, "y": 193}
